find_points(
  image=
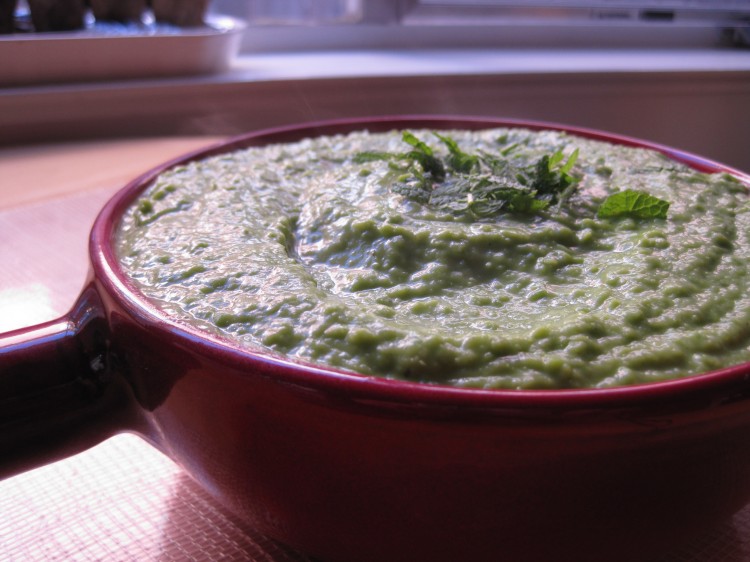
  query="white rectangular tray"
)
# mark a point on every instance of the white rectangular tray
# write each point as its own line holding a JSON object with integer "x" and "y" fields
{"x": 105, "y": 52}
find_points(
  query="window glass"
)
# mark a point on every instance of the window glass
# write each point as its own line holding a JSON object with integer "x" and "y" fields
{"x": 367, "y": 24}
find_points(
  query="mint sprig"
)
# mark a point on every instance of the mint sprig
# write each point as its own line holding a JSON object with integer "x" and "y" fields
{"x": 478, "y": 184}
{"x": 485, "y": 184}
{"x": 423, "y": 154}
{"x": 633, "y": 203}
{"x": 458, "y": 160}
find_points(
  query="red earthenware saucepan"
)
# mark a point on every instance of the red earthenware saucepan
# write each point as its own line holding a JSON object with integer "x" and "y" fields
{"x": 356, "y": 469}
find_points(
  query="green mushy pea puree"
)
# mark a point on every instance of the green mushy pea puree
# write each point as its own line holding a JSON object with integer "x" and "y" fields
{"x": 475, "y": 259}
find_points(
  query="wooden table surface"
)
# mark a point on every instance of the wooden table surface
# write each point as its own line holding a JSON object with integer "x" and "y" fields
{"x": 49, "y": 197}
{"x": 122, "y": 500}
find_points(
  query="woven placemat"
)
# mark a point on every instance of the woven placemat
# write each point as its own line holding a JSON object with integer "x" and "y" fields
{"x": 123, "y": 501}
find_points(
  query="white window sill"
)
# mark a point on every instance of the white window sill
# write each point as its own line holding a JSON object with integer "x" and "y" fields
{"x": 283, "y": 66}
{"x": 434, "y": 62}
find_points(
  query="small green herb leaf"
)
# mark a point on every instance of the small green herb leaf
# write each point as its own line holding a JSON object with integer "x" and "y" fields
{"x": 459, "y": 160}
{"x": 633, "y": 203}
{"x": 510, "y": 148}
{"x": 565, "y": 169}
{"x": 372, "y": 156}
{"x": 552, "y": 181}
{"x": 424, "y": 156}
{"x": 409, "y": 138}
{"x": 555, "y": 159}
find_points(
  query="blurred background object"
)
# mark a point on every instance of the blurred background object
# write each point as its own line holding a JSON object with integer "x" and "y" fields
{"x": 112, "y": 40}
{"x": 57, "y": 15}
{"x": 301, "y": 12}
{"x": 359, "y": 24}
{"x": 118, "y": 10}
{"x": 7, "y": 11}
{"x": 71, "y": 15}
{"x": 180, "y": 12}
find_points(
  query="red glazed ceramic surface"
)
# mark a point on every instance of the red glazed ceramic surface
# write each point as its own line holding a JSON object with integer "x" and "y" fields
{"x": 346, "y": 467}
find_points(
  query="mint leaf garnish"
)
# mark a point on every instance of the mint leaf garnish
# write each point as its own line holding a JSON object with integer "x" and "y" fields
{"x": 552, "y": 179}
{"x": 635, "y": 204}
{"x": 459, "y": 160}
{"x": 485, "y": 195}
{"x": 477, "y": 184}
{"x": 565, "y": 168}
{"x": 422, "y": 153}
{"x": 484, "y": 184}
{"x": 372, "y": 156}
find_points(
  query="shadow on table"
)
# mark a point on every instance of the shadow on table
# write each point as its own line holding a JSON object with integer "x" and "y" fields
{"x": 722, "y": 543}
{"x": 197, "y": 528}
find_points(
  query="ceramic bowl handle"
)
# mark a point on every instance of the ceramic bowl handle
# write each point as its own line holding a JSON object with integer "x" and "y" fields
{"x": 58, "y": 394}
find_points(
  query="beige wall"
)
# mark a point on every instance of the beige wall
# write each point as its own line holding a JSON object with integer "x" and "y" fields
{"x": 699, "y": 111}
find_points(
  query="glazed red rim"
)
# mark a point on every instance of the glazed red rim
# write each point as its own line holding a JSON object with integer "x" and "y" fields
{"x": 114, "y": 280}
